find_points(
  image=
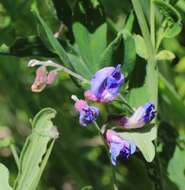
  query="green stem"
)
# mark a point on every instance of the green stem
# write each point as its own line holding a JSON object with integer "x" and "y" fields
{"x": 58, "y": 67}
{"x": 151, "y": 71}
{"x": 15, "y": 155}
{"x": 126, "y": 103}
{"x": 161, "y": 34}
{"x": 108, "y": 154}
{"x": 79, "y": 77}
{"x": 143, "y": 26}
{"x": 152, "y": 22}
{"x": 151, "y": 75}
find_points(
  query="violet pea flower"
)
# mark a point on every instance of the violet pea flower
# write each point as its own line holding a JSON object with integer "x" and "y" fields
{"x": 142, "y": 116}
{"x": 119, "y": 146}
{"x": 105, "y": 84}
{"x": 88, "y": 114}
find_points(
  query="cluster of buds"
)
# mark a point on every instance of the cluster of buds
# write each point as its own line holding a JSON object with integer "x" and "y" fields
{"x": 43, "y": 77}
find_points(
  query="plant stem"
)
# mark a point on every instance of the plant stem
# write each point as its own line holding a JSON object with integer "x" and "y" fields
{"x": 62, "y": 29}
{"x": 108, "y": 154}
{"x": 151, "y": 72}
{"x": 143, "y": 26}
{"x": 152, "y": 76}
{"x": 126, "y": 103}
{"x": 161, "y": 34}
{"x": 15, "y": 155}
{"x": 58, "y": 67}
{"x": 152, "y": 22}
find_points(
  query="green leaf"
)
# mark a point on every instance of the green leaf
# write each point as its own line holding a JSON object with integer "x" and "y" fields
{"x": 138, "y": 96}
{"x": 176, "y": 168}
{"x": 129, "y": 53}
{"x": 36, "y": 150}
{"x": 180, "y": 67}
{"x": 51, "y": 40}
{"x": 168, "y": 11}
{"x": 140, "y": 46}
{"x": 174, "y": 31}
{"x": 79, "y": 65}
{"x": 91, "y": 45}
{"x": 171, "y": 101}
{"x": 106, "y": 57}
{"x": 165, "y": 55}
{"x": 172, "y": 19}
{"x": 4, "y": 177}
{"x": 143, "y": 139}
{"x": 129, "y": 23}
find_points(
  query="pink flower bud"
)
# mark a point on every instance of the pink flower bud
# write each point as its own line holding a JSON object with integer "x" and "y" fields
{"x": 51, "y": 77}
{"x": 40, "y": 80}
{"x": 80, "y": 104}
{"x": 90, "y": 96}
{"x": 112, "y": 136}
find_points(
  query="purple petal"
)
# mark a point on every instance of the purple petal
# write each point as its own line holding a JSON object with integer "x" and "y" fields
{"x": 88, "y": 115}
{"x": 119, "y": 146}
{"x": 98, "y": 79}
{"x": 142, "y": 116}
{"x": 105, "y": 84}
{"x": 149, "y": 112}
{"x": 115, "y": 149}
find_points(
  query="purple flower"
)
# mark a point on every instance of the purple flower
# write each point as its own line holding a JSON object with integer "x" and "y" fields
{"x": 119, "y": 146}
{"x": 88, "y": 114}
{"x": 143, "y": 115}
{"x": 105, "y": 84}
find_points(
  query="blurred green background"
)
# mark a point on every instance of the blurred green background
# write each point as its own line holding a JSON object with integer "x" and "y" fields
{"x": 76, "y": 161}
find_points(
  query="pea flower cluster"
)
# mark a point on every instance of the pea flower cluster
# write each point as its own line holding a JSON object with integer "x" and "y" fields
{"x": 105, "y": 85}
{"x": 104, "y": 88}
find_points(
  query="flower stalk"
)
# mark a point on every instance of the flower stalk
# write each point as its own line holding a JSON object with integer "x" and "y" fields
{"x": 58, "y": 67}
{"x": 108, "y": 154}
